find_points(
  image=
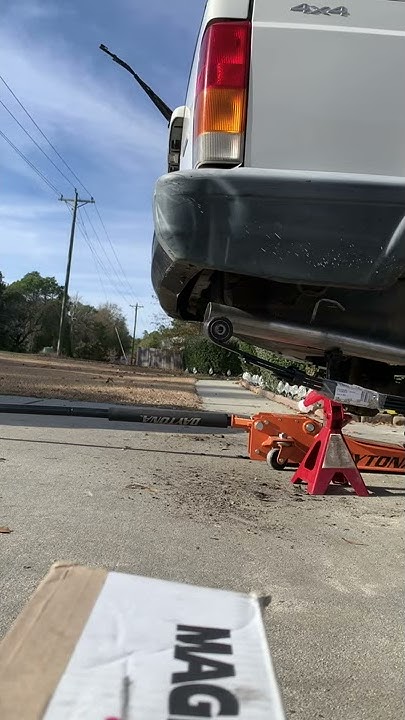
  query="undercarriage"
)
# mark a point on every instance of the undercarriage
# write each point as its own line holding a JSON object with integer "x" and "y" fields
{"x": 354, "y": 335}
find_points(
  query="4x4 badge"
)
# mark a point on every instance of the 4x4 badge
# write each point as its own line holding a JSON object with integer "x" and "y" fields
{"x": 326, "y": 10}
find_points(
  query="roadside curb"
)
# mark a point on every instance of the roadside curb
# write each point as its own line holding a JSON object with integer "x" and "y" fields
{"x": 379, "y": 419}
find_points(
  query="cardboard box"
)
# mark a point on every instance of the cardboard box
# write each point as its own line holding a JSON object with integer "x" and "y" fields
{"x": 94, "y": 645}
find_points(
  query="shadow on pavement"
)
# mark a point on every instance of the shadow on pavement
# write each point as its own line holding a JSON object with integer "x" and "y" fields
{"x": 126, "y": 448}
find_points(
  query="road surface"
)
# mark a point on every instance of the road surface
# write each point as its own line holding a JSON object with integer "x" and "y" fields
{"x": 191, "y": 507}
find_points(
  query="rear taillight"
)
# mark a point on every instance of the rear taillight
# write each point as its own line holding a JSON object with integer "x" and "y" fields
{"x": 221, "y": 93}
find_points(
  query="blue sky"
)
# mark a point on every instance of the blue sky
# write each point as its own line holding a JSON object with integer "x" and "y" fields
{"x": 101, "y": 123}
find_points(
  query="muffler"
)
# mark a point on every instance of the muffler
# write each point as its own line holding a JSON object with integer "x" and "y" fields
{"x": 222, "y": 322}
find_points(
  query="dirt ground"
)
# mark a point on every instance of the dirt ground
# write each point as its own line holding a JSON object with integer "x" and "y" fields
{"x": 43, "y": 377}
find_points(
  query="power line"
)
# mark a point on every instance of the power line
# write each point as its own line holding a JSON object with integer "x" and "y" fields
{"x": 103, "y": 267}
{"x": 53, "y": 187}
{"x": 43, "y": 135}
{"x": 124, "y": 277}
{"x": 113, "y": 249}
{"x": 96, "y": 263}
{"x": 118, "y": 287}
{"x": 106, "y": 272}
{"x": 32, "y": 166}
{"x": 105, "y": 252}
{"x": 97, "y": 260}
{"x": 35, "y": 143}
{"x": 84, "y": 233}
{"x": 100, "y": 278}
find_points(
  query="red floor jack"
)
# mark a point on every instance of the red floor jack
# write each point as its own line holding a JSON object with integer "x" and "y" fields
{"x": 327, "y": 458}
{"x": 320, "y": 450}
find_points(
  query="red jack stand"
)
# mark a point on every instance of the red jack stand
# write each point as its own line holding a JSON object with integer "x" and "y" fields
{"x": 329, "y": 460}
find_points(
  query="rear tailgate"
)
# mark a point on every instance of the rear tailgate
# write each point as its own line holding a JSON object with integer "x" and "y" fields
{"x": 327, "y": 91}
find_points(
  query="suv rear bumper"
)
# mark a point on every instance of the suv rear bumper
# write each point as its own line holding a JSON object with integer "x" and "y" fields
{"x": 320, "y": 229}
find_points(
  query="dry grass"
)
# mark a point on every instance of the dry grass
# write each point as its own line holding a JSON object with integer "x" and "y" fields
{"x": 43, "y": 377}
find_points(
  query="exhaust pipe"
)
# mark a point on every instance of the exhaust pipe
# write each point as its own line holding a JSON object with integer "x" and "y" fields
{"x": 221, "y": 322}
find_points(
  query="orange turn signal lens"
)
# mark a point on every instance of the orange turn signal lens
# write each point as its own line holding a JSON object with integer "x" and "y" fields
{"x": 221, "y": 110}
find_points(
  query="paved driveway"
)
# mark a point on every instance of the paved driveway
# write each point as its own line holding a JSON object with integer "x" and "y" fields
{"x": 191, "y": 507}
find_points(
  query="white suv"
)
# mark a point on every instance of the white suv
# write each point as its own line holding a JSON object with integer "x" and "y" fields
{"x": 284, "y": 205}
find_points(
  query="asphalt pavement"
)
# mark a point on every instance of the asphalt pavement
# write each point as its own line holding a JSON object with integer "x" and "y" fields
{"x": 191, "y": 507}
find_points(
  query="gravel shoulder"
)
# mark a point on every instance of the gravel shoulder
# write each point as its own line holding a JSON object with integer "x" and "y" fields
{"x": 44, "y": 377}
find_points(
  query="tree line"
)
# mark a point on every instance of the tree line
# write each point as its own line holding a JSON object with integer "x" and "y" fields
{"x": 29, "y": 322}
{"x": 30, "y": 314}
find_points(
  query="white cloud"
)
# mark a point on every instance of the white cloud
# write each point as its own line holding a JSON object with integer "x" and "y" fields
{"x": 82, "y": 104}
{"x": 184, "y": 15}
{"x": 34, "y": 236}
{"x": 73, "y": 105}
{"x": 27, "y": 11}
{"x": 115, "y": 142}
{"x": 27, "y": 210}
{"x": 31, "y": 231}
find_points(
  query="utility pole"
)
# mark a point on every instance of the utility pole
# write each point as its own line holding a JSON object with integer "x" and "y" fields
{"x": 77, "y": 203}
{"x": 136, "y": 308}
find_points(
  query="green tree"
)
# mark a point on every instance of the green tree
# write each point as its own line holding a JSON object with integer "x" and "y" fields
{"x": 37, "y": 289}
{"x": 171, "y": 336}
{"x": 94, "y": 331}
{"x": 109, "y": 324}
{"x": 83, "y": 340}
{"x": 31, "y": 307}
{"x": 30, "y": 314}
